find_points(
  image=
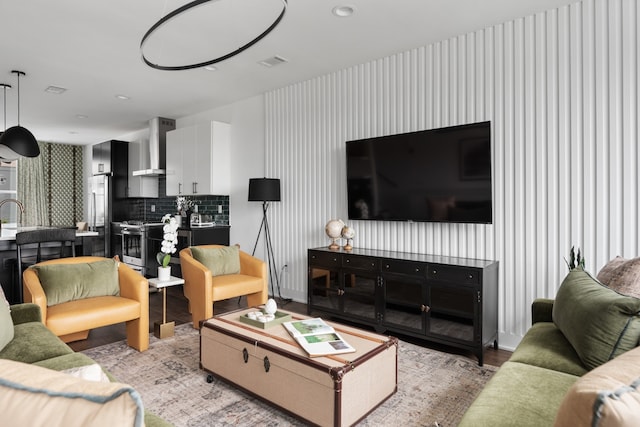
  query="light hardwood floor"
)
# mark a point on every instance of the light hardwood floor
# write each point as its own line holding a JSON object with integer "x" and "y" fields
{"x": 177, "y": 311}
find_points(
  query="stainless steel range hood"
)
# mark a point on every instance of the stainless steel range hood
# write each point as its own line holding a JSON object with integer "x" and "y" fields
{"x": 158, "y": 128}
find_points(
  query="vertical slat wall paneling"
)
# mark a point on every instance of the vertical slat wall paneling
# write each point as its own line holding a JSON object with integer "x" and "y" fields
{"x": 601, "y": 131}
{"x": 630, "y": 113}
{"x": 561, "y": 182}
{"x": 630, "y": 121}
{"x": 587, "y": 141}
{"x": 536, "y": 33}
{"x": 614, "y": 119}
{"x": 561, "y": 90}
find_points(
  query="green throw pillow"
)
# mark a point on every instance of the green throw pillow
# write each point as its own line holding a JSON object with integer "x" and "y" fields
{"x": 69, "y": 282}
{"x": 599, "y": 323}
{"x": 221, "y": 261}
{"x": 6, "y": 322}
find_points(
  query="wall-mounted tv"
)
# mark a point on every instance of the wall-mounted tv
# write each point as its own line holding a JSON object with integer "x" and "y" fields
{"x": 437, "y": 175}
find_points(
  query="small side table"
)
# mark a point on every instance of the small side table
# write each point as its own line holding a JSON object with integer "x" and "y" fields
{"x": 164, "y": 329}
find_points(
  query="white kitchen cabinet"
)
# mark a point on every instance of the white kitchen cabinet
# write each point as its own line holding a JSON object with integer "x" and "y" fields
{"x": 198, "y": 160}
{"x": 177, "y": 141}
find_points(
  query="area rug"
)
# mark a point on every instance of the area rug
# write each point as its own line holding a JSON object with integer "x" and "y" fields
{"x": 434, "y": 388}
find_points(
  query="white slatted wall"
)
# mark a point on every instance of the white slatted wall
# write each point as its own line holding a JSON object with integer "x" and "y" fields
{"x": 561, "y": 90}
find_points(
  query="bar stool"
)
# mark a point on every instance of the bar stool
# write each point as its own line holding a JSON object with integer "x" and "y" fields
{"x": 29, "y": 249}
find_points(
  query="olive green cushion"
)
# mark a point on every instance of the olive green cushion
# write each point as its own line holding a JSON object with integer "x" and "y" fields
{"x": 25, "y": 312}
{"x": 33, "y": 342}
{"x": 69, "y": 282}
{"x": 65, "y": 361}
{"x": 220, "y": 261}
{"x": 519, "y": 395}
{"x": 544, "y": 345}
{"x": 6, "y": 322}
{"x": 542, "y": 310}
{"x": 599, "y": 323}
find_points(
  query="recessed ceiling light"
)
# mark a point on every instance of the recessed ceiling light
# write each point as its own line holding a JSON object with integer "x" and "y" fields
{"x": 123, "y": 97}
{"x": 55, "y": 89}
{"x": 82, "y": 116}
{"x": 211, "y": 68}
{"x": 343, "y": 11}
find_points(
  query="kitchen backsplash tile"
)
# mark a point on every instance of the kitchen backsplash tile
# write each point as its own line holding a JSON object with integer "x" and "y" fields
{"x": 140, "y": 208}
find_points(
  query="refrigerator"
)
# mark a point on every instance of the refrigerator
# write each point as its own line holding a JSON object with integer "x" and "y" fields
{"x": 107, "y": 186}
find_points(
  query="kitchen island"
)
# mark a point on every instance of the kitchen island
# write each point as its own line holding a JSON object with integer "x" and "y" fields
{"x": 8, "y": 233}
{"x": 8, "y": 254}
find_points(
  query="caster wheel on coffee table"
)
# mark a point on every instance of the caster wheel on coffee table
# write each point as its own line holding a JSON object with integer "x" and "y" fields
{"x": 209, "y": 378}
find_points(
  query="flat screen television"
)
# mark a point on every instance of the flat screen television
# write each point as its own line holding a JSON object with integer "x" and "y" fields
{"x": 437, "y": 175}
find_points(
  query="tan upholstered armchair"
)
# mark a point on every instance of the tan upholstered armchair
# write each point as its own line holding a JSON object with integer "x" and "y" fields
{"x": 202, "y": 289}
{"x": 72, "y": 320}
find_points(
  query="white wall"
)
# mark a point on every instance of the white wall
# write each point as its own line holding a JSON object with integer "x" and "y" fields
{"x": 561, "y": 90}
{"x": 247, "y": 159}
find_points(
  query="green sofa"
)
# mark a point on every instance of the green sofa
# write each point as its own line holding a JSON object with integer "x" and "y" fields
{"x": 587, "y": 335}
{"x": 34, "y": 344}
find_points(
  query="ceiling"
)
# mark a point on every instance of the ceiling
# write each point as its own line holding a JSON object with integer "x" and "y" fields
{"x": 92, "y": 48}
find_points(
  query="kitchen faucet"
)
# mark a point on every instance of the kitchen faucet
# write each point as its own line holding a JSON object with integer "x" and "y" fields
{"x": 17, "y": 202}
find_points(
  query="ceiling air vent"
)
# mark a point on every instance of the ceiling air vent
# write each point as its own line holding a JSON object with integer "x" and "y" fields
{"x": 55, "y": 89}
{"x": 275, "y": 60}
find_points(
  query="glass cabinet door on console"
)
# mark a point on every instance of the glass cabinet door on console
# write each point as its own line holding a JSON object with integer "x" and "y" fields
{"x": 451, "y": 312}
{"x": 326, "y": 289}
{"x": 324, "y": 281}
{"x": 454, "y": 299}
{"x": 359, "y": 283}
{"x": 359, "y": 294}
{"x": 404, "y": 303}
{"x": 405, "y": 296}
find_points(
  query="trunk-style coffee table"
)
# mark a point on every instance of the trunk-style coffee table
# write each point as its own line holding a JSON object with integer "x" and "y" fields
{"x": 334, "y": 390}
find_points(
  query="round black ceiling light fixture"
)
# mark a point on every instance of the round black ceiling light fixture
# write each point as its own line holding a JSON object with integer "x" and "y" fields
{"x": 17, "y": 141}
{"x": 198, "y": 64}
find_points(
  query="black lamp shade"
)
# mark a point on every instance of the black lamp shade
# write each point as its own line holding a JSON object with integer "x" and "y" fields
{"x": 264, "y": 190}
{"x": 18, "y": 142}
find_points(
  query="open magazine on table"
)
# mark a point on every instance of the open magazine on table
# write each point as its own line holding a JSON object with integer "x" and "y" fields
{"x": 317, "y": 338}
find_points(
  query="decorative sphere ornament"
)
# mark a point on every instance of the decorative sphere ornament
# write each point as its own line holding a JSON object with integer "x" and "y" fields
{"x": 348, "y": 233}
{"x": 334, "y": 231}
{"x": 270, "y": 307}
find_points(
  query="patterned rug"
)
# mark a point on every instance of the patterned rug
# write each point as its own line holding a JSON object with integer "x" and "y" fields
{"x": 434, "y": 388}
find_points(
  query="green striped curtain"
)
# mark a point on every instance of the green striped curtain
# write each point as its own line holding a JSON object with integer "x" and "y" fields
{"x": 32, "y": 188}
{"x": 51, "y": 185}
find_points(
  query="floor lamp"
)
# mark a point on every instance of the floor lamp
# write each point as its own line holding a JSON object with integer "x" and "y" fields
{"x": 266, "y": 190}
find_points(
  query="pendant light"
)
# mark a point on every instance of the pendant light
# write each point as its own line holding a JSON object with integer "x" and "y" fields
{"x": 17, "y": 141}
{"x": 4, "y": 108}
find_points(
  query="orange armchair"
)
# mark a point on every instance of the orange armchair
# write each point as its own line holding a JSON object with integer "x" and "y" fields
{"x": 202, "y": 289}
{"x": 72, "y": 320}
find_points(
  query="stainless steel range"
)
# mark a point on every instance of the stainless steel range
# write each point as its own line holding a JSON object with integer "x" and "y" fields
{"x": 131, "y": 241}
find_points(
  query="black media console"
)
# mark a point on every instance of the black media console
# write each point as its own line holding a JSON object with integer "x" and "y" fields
{"x": 453, "y": 301}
